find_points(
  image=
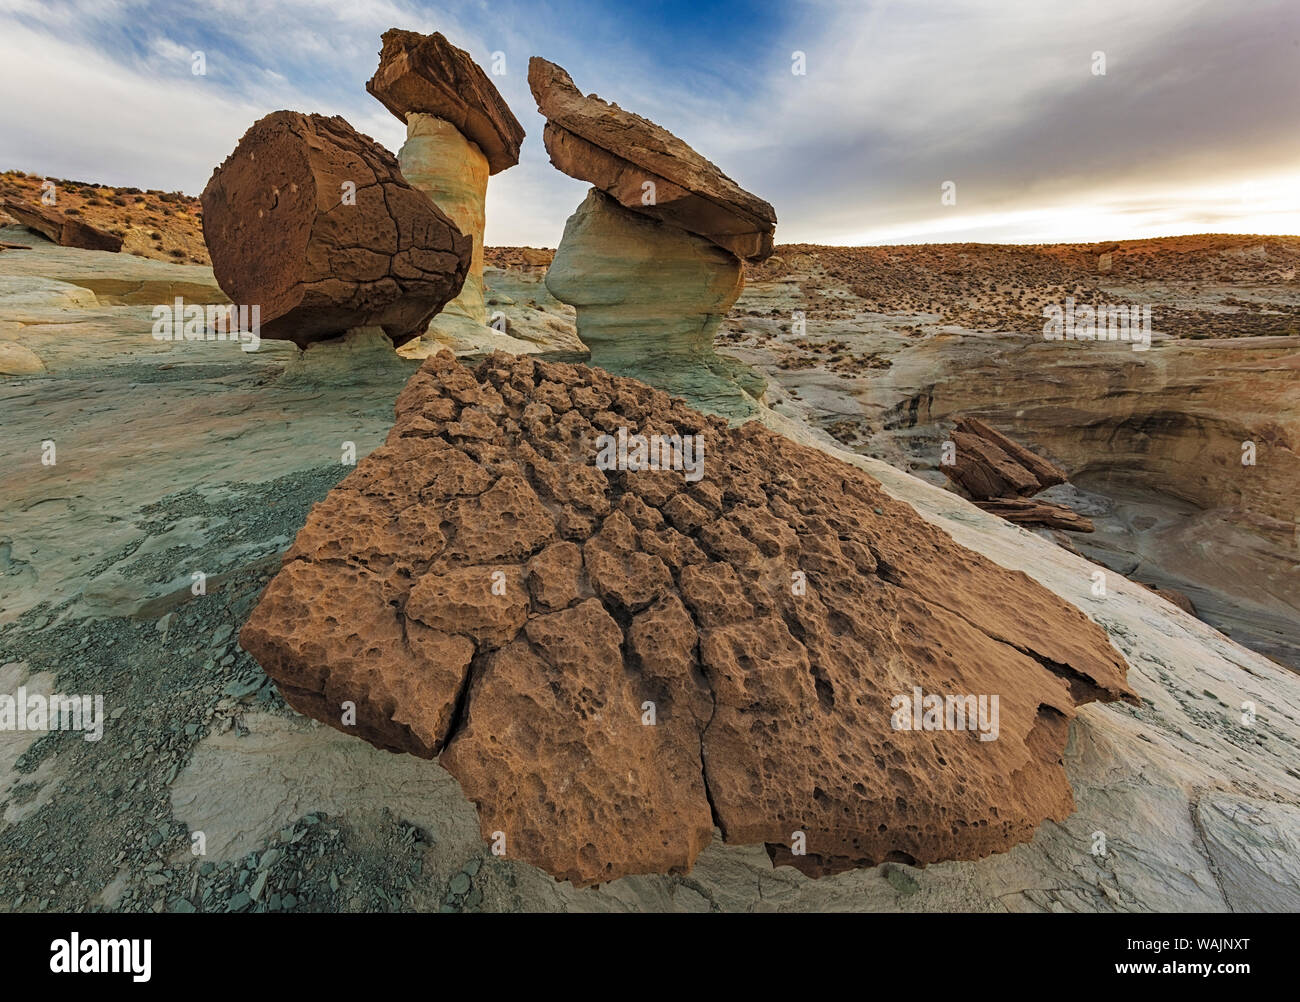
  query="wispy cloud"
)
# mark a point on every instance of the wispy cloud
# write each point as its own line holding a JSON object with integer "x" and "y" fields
{"x": 1198, "y": 99}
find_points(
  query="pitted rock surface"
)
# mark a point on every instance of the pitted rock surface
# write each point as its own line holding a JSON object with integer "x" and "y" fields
{"x": 612, "y": 663}
{"x": 287, "y": 233}
{"x": 620, "y": 152}
{"x": 426, "y": 74}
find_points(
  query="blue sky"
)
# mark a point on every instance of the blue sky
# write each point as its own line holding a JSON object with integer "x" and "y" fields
{"x": 1195, "y": 125}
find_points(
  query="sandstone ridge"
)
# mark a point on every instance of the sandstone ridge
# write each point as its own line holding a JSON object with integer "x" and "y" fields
{"x": 62, "y": 229}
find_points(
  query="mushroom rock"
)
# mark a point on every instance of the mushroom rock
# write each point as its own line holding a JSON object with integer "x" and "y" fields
{"x": 645, "y": 167}
{"x": 459, "y": 130}
{"x": 652, "y": 259}
{"x": 615, "y": 656}
{"x": 313, "y": 223}
{"x": 649, "y": 299}
{"x": 63, "y": 230}
{"x": 426, "y": 74}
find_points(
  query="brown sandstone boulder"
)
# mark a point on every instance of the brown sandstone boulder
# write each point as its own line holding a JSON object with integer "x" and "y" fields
{"x": 619, "y": 152}
{"x": 428, "y": 75}
{"x": 991, "y": 465}
{"x": 282, "y": 235}
{"x": 615, "y": 662}
{"x": 63, "y": 230}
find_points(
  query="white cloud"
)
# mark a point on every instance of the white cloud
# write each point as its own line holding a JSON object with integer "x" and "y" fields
{"x": 998, "y": 96}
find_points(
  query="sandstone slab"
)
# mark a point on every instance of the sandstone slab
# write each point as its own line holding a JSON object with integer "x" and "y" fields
{"x": 991, "y": 465}
{"x": 427, "y": 75}
{"x": 63, "y": 230}
{"x": 1029, "y": 511}
{"x": 313, "y": 222}
{"x": 645, "y": 167}
{"x": 774, "y": 619}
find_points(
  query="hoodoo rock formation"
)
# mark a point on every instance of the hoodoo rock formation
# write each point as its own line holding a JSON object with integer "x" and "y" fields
{"x": 63, "y": 230}
{"x": 459, "y": 130}
{"x": 1001, "y": 475}
{"x": 654, "y": 264}
{"x": 649, "y": 299}
{"x": 614, "y": 658}
{"x": 312, "y": 221}
{"x": 646, "y": 168}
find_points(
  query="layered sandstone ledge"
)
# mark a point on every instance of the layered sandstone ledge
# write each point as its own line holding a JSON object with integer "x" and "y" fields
{"x": 612, "y": 663}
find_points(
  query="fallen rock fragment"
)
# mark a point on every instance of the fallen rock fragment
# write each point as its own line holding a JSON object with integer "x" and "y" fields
{"x": 1027, "y": 511}
{"x": 1173, "y": 596}
{"x": 63, "y": 230}
{"x": 999, "y": 474}
{"x": 313, "y": 222}
{"x": 615, "y": 660}
{"x": 991, "y": 465}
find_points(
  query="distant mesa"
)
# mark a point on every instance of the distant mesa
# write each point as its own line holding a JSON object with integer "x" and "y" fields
{"x": 620, "y": 152}
{"x": 614, "y": 661}
{"x": 459, "y": 130}
{"x": 61, "y": 229}
{"x": 313, "y": 222}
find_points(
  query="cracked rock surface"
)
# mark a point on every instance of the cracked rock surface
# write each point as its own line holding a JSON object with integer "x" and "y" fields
{"x": 285, "y": 233}
{"x": 612, "y": 663}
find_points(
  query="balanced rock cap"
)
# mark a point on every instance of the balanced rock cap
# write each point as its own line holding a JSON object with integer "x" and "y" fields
{"x": 429, "y": 75}
{"x": 619, "y": 152}
{"x": 613, "y": 661}
{"x": 313, "y": 223}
